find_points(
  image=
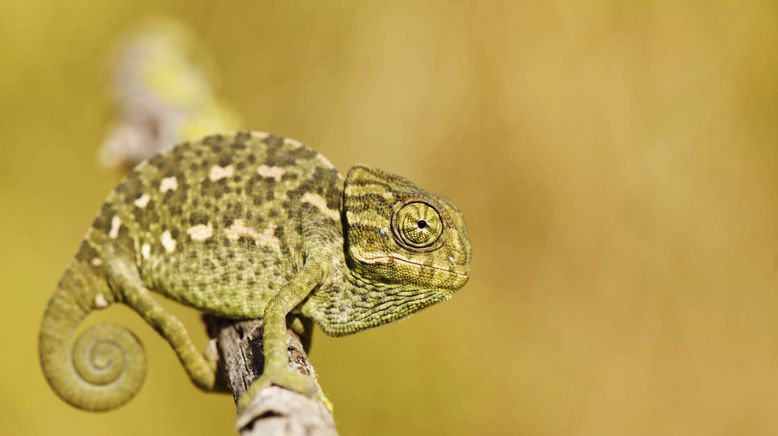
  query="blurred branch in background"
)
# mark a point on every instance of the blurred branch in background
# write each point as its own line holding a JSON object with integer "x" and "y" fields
{"x": 164, "y": 95}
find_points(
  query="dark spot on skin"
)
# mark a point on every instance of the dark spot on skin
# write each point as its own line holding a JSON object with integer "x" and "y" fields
{"x": 225, "y": 160}
{"x": 132, "y": 186}
{"x": 86, "y": 253}
{"x": 274, "y": 141}
{"x": 158, "y": 161}
{"x": 252, "y": 159}
{"x": 103, "y": 219}
{"x": 240, "y": 165}
{"x": 289, "y": 176}
{"x": 270, "y": 195}
{"x": 198, "y": 219}
{"x": 238, "y": 145}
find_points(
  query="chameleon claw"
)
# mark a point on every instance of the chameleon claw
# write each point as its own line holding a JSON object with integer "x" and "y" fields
{"x": 286, "y": 379}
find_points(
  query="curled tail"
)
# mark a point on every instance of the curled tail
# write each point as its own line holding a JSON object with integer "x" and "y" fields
{"x": 103, "y": 367}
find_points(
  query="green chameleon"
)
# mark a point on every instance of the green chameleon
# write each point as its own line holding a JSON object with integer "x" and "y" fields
{"x": 246, "y": 225}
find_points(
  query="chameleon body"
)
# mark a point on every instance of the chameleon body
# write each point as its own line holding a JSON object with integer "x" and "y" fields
{"x": 245, "y": 225}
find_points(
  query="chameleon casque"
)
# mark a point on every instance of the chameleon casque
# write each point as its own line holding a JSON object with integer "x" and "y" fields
{"x": 245, "y": 225}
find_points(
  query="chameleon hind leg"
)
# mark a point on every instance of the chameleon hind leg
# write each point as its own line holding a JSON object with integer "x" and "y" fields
{"x": 201, "y": 367}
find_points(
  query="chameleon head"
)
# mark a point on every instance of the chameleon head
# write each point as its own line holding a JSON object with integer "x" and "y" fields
{"x": 405, "y": 248}
{"x": 397, "y": 233}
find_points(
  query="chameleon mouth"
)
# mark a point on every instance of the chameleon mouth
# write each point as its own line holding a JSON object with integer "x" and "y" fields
{"x": 386, "y": 259}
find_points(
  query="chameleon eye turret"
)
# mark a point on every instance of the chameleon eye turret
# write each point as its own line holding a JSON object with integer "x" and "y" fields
{"x": 417, "y": 225}
{"x": 246, "y": 225}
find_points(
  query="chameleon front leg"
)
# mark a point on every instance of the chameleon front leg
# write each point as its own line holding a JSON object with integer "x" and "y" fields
{"x": 200, "y": 367}
{"x": 276, "y": 370}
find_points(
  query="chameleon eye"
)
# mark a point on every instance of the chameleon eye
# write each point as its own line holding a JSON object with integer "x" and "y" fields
{"x": 417, "y": 225}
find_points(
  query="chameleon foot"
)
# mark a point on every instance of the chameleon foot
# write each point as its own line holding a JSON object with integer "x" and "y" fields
{"x": 292, "y": 381}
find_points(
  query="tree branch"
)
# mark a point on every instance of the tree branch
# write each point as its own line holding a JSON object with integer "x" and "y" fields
{"x": 274, "y": 410}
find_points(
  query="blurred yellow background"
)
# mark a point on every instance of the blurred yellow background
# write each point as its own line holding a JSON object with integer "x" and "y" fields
{"x": 617, "y": 163}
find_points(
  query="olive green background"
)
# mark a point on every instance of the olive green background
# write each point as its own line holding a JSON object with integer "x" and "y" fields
{"x": 617, "y": 163}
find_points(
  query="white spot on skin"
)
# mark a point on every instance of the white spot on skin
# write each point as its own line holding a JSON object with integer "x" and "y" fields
{"x": 266, "y": 239}
{"x": 271, "y": 172}
{"x": 200, "y": 232}
{"x": 320, "y": 203}
{"x": 142, "y": 201}
{"x": 168, "y": 184}
{"x": 145, "y": 250}
{"x": 293, "y": 142}
{"x": 388, "y": 195}
{"x": 383, "y": 231}
{"x": 325, "y": 161}
{"x": 96, "y": 261}
{"x": 116, "y": 223}
{"x": 168, "y": 242}
{"x": 218, "y": 172}
{"x": 100, "y": 301}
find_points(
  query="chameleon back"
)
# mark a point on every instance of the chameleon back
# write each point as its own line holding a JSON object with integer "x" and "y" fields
{"x": 215, "y": 224}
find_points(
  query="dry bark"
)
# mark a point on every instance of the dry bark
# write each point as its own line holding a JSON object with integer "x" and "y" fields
{"x": 273, "y": 410}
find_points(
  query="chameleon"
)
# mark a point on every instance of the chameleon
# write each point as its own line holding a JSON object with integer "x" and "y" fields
{"x": 245, "y": 225}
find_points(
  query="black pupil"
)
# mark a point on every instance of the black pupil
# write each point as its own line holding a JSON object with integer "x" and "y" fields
{"x": 422, "y": 224}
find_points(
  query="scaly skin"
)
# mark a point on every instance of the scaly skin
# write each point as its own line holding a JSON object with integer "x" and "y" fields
{"x": 246, "y": 225}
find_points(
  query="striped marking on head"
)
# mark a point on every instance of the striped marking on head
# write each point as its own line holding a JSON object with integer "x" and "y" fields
{"x": 367, "y": 218}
